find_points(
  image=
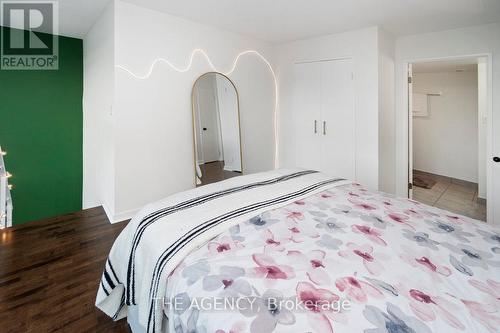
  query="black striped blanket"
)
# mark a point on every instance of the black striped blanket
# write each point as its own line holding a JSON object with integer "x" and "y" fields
{"x": 157, "y": 239}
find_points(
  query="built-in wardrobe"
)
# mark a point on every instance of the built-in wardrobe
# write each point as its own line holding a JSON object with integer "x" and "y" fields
{"x": 323, "y": 117}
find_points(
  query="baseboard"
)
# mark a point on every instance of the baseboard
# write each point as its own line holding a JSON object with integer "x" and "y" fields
{"x": 108, "y": 212}
{"x": 118, "y": 217}
{"x": 125, "y": 216}
{"x": 230, "y": 168}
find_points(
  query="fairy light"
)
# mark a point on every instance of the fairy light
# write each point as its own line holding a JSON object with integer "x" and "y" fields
{"x": 228, "y": 73}
{"x": 10, "y": 186}
{"x": 7, "y": 175}
{"x": 3, "y": 153}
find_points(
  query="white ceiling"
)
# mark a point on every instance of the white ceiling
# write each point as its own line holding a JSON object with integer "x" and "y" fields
{"x": 285, "y": 20}
{"x": 460, "y": 65}
{"x": 76, "y": 17}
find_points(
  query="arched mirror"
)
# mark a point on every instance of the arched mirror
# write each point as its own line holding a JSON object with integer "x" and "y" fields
{"x": 216, "y": 126}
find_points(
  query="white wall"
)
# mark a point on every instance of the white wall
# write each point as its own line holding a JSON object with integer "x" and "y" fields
{"x": 387, "y": 152}
{"x": 446, "y": 141}
{"x": 459, "y": 42}
{"x": 482, "y": 79}
{"x": 229, "y": 122}
{"x": 361, "y": 46}
{"x": 98, "y": 150}
{"x": 154, "y": 142}
{"x": 151, "y": 122}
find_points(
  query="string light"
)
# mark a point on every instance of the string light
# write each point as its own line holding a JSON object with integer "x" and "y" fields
{"x": 8, "y": 175}
{"x": 10, "y": 186}
{"x": 228, "y": 73}
{"x": 3, "y": 153}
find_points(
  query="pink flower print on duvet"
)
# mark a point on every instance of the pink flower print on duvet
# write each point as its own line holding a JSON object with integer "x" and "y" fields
{"x": 413, "y": 213}
{"x": 423, "y": 261}
{"x": 428, "y": 307}
{"x": 362, "y": 204}
{"x": 357, "y": 290}
{"x": 273, "y": 242}
{"x": 224, "y": 244}
{"x": 364, "y": 253}
{"x": 401, "y": 219}
{"x": 314, "y": 263}
{"x": 457, "y": 219}
{"x": 487, "y": 315}
{"x": 299, "y": 234}
{"x": 294, "y": 215}
{"x": 370, "y": 233}
{"x": 269, "y": 270}
{"x": 490, "y": 287}
{"x": 326, "y": 195}
{"x": 230, "y": 282}
{"x": 315, "y": 301}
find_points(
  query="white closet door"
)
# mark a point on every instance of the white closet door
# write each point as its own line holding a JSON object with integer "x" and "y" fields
{"x": 337, "y": 123}
{"x": 306, "y": 115}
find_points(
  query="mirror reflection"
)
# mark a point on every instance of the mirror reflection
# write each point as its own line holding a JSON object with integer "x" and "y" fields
{"x": 216, "y": 129}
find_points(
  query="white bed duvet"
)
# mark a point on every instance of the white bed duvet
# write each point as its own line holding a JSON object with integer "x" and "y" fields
{"x": 345, "y": 259}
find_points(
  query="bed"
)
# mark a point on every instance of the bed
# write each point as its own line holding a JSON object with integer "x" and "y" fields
{"x": 298, "y": 251}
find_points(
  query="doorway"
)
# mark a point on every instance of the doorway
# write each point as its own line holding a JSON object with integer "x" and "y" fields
{"x": 448, "y": 125}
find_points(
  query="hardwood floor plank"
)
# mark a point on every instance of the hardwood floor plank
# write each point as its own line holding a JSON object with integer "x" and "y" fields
{"x": 50, "y": 271}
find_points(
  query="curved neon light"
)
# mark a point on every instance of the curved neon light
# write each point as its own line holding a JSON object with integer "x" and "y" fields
{"x": 228, "y": 73}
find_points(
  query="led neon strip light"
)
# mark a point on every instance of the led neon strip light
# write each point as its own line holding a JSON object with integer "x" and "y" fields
{"x": 212, "y": 66}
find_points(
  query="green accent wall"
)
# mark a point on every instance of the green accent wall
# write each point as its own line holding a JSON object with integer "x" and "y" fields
{"x": 41, "y": 129}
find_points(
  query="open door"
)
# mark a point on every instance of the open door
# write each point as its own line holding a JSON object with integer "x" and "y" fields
{"x": 410, "y": 131}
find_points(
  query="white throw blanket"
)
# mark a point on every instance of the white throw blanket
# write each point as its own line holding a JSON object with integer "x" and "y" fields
{"x": 158, "y": 238}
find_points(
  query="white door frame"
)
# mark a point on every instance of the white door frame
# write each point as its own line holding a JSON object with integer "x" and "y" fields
{"x": 489, "y": 132}
{"x": 409, "y": 69}
{"x": 197, "y": 120}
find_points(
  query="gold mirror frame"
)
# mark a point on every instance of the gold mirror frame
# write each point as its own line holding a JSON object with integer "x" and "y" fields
{"x": 194, "y": 119}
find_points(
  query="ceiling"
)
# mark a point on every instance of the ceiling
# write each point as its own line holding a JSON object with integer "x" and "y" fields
{"x": 460, "y": 65}
{"x": 76, "y": 17}
{"x": 280, "y": 21}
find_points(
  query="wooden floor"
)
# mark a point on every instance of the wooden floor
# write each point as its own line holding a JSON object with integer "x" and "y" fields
{"x": 214, "y": 171}
{"x": 50, "y": 271}
{"x": 454, "y": 195}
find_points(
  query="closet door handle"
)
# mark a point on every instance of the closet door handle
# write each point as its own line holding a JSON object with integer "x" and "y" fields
{"x": 324, "y": 128}
{"x": 315, "y": 126}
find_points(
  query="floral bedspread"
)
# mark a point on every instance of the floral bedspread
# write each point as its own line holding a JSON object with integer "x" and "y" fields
{"x": 394, "y": 265}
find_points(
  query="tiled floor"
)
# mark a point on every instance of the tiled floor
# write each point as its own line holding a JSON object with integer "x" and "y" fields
{"x": 454, "y": 195}
{"x": 214, "y": 171}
